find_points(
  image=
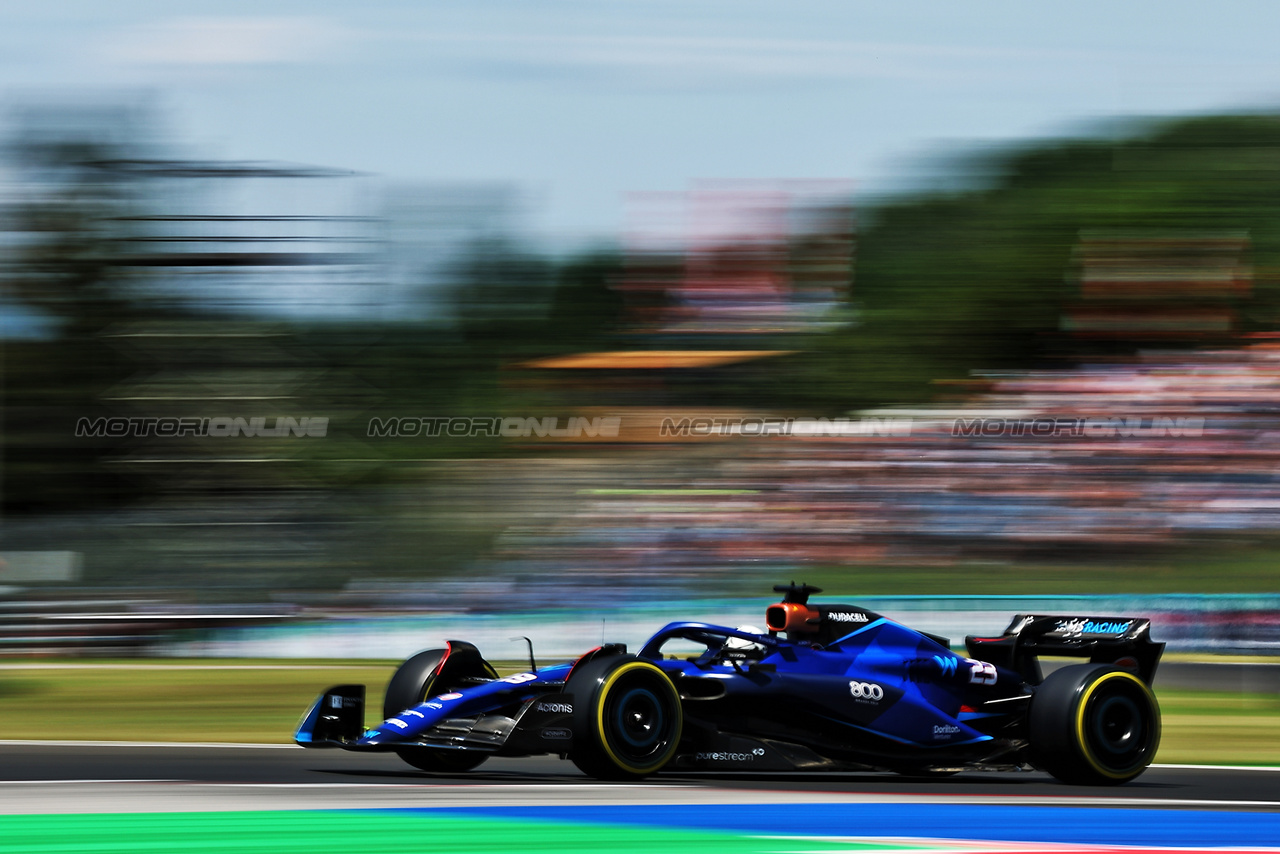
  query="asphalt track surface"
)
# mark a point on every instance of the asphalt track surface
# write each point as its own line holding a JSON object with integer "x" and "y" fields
{"x": 281, "y": 799}
{"x": 284, "y": 776}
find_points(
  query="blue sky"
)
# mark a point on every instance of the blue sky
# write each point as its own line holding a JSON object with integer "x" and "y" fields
{"x": 581, "y": 101}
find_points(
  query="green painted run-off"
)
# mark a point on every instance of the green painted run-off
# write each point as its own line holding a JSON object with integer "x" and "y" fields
{"x": 370, "y": 832}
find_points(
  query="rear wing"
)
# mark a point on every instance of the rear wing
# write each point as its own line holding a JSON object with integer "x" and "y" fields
{"x": 1122, "y": 641}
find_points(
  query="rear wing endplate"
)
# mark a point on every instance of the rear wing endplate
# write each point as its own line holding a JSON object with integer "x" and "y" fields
{"x": 1122, "y": 641}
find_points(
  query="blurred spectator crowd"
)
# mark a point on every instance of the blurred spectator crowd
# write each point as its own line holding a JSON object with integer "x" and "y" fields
{"x": 1201, "y": 457}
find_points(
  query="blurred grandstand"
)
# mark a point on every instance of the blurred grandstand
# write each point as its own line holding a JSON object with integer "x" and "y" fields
{"x": 1099, "y": 461}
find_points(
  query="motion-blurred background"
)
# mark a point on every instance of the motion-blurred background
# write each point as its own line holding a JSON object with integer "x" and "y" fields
{"x": 323, "y": 332}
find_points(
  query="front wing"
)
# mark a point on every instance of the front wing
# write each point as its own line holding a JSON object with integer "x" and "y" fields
{"x": 542, "y": 724}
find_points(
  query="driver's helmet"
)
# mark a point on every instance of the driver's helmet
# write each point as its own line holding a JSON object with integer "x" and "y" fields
{"x": 742, "y": 644}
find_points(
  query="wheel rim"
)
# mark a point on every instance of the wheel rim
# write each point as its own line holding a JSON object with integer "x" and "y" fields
{"x": 1117, "y": 726}
{"x": 638, "y": 720}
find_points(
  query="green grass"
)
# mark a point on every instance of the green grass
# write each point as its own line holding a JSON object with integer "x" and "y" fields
{"x": 1208, "y": 727}
{"x": 155, "y": 700}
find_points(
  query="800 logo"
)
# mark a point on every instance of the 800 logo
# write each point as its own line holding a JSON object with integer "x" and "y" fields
{"x": 868, "y": 691}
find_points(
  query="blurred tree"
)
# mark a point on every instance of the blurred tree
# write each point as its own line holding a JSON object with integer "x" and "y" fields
{"x": 949, "y": 283}
{"x": 502, "y": 295}
{"x": 69, "y": 211}
{"x": 586, "y": 310}
{"x": 66, "y": 213}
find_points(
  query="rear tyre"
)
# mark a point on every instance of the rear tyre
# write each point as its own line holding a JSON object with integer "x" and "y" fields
{"x": 1093, "y": 724}
{"x": 627, "y": 718}
{"x": 422, "y": 676}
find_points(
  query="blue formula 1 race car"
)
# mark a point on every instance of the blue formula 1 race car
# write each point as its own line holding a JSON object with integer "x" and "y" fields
{"x": 825, "y": 687}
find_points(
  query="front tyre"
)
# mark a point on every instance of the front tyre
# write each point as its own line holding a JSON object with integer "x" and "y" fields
{"x": 432, "y": 672}
{"x": 627, "y": 718}
{"x": 439, "y": 761}
{"x": 1093, "y": 724}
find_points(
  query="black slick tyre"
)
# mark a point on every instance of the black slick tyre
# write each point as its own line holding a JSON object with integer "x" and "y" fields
{"x": 627, "y": 718}
{"x": 426, "y": 674}
{"x": 1093, "y": 724}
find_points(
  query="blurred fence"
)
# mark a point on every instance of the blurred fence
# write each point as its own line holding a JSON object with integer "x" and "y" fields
{"x": 113, "y": 627}
{"x": 1233, "y": 623}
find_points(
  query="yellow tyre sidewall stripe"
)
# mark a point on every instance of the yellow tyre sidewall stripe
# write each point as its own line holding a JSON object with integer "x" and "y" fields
{"x": 1082, "y": 706}
{"x": 603, "y": 695}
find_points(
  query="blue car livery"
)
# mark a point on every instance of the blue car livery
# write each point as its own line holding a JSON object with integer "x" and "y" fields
{"x": 823, "y": 687}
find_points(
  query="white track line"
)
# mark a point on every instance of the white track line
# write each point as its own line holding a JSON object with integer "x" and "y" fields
{"x": 731, "y": 795}
{"x": 854, "y": 797}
